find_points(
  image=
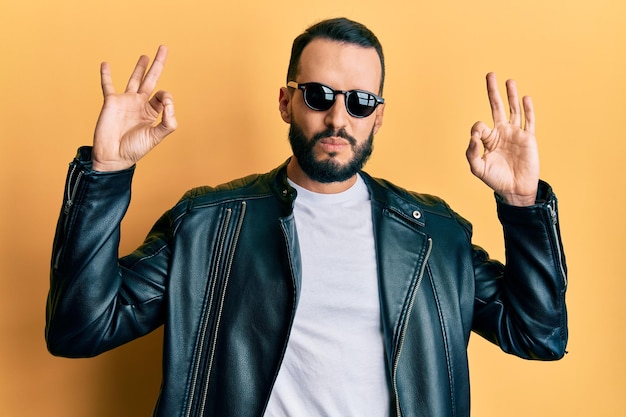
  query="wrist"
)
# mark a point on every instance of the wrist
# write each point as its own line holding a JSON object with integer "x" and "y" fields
{"x": 100, "y": 163}
{"x": 99, "y": 166}
{"x": 519, "y": 200}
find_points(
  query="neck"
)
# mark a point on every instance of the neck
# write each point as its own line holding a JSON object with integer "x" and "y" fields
{"x": 295, "y": 174}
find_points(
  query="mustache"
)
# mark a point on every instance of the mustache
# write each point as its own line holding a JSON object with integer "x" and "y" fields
{"x": 328, "y": 133}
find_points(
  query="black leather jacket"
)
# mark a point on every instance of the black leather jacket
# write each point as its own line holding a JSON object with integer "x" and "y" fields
{"x": 221, "y": 272}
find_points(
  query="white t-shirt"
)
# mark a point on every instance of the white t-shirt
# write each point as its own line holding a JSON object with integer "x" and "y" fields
{"x": 335, "y": 362}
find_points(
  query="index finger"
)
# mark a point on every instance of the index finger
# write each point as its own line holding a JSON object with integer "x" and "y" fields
{"x": 497, "y": 106}
{"x": 152, "y": 76}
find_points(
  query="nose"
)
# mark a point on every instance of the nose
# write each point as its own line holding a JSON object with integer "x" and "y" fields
{"x": 337, "y": 116}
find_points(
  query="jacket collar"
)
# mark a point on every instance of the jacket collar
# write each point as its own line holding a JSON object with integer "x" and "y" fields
{"x": 398, "y": 217}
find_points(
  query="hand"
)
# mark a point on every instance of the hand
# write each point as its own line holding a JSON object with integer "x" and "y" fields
{"x": 128, "y": 126}
{"x": 509, "y": 163}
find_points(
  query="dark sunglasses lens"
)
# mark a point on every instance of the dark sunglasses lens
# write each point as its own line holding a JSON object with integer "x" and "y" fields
{"x": 361, "y": 103}
{"x": 319, "y": 97}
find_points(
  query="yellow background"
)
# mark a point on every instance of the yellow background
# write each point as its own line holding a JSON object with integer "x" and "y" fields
{"x": 227, "y": 61}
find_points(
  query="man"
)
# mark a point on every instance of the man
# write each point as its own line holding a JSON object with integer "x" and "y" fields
{"x": 314, "y": 289}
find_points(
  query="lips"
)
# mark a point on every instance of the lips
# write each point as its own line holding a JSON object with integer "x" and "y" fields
{"x": 334, "y": 141}
{"x": 333, "y": 144}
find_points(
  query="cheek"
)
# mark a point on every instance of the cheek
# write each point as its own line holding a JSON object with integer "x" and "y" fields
{"x": 364, "y": 130}
{"x": 309, "y": 121}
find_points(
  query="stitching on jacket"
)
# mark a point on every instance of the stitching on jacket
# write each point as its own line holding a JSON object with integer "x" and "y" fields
{"x": 146, "y": 257}
{"x": 445, "y": 341}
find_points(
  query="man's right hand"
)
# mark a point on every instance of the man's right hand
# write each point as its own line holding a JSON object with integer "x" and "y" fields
{"x": 129, "y": 126}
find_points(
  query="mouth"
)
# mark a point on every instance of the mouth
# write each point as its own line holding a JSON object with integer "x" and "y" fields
{"x": 333, "y": 144}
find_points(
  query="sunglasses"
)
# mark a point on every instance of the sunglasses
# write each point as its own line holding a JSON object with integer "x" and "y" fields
{"x": 320, "y": 97}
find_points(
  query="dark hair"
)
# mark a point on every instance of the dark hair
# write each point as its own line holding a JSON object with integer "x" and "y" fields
{"x": 340, "y": 30}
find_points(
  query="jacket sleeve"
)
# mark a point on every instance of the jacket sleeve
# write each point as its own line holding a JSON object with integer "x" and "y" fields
{"x": 521, "y": 306}
{"x": 97, "y": 301}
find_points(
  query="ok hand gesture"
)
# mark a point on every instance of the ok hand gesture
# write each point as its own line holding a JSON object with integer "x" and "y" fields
{"x": 509, "y": 163}
{"x": 128, "y": 126}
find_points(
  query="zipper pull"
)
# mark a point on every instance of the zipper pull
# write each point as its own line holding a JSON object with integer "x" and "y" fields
{"x": 552, "y": 209}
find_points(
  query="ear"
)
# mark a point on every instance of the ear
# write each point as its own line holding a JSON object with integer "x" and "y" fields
{"x": 284, "y": 104}
{"x": 380, "y": 112}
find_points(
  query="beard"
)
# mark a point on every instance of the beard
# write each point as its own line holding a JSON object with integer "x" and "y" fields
{"x": 328, "y": 170}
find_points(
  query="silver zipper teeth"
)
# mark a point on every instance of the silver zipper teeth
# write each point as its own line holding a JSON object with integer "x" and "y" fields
{"x": 552, "y": 209}
{"x": 71, "y": 191}
{"x": 69, "y": 201}
{"x": 404, "y": 328}
{"x": 219, "y": 314}
{"x": 205, "y": 323}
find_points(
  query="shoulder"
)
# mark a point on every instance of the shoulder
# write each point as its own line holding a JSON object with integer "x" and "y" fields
{"x": 393, "y": 197}
{"x": 267, "y": 185}
{"x": 388, "y": 193}
{"x": 254, "y": 185}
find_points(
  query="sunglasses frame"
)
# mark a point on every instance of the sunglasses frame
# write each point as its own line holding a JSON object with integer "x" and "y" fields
{"x": 346, "y": 93}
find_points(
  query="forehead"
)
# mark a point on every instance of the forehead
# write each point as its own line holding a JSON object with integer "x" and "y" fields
{"x": 340, "y": 65}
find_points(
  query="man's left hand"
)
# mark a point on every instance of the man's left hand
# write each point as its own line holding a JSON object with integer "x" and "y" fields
{"x": 509, "y": 163}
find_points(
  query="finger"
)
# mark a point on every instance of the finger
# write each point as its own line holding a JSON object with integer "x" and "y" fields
{"x": 480, "y": 130}
{"x": 158, "y": 101}
{"x": 473, "y": 154}
{"x": 497, "y": 107}
{"x": 106, "y": 80}
{"x": 514, "y": 106}
{"x": 164, "y": 102}
{"x": 150, "y": 80}
{"x": 529, "y": 112}
{"x": 137, "y": 76}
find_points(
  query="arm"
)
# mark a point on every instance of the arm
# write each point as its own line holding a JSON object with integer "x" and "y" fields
{"x": 96, "y": 301}
{"x": 520, "y": 306}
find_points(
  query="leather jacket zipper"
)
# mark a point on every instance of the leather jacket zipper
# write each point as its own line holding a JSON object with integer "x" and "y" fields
{"x": 396, "y": 359}
{"x": 72, "y": 188}
{"x": 557, "y": 244}
{"x": 206, "y": 320}
{"x": 216, "y": 294}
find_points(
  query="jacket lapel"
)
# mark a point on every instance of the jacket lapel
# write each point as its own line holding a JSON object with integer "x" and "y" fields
{"x": 402, "y": 249}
